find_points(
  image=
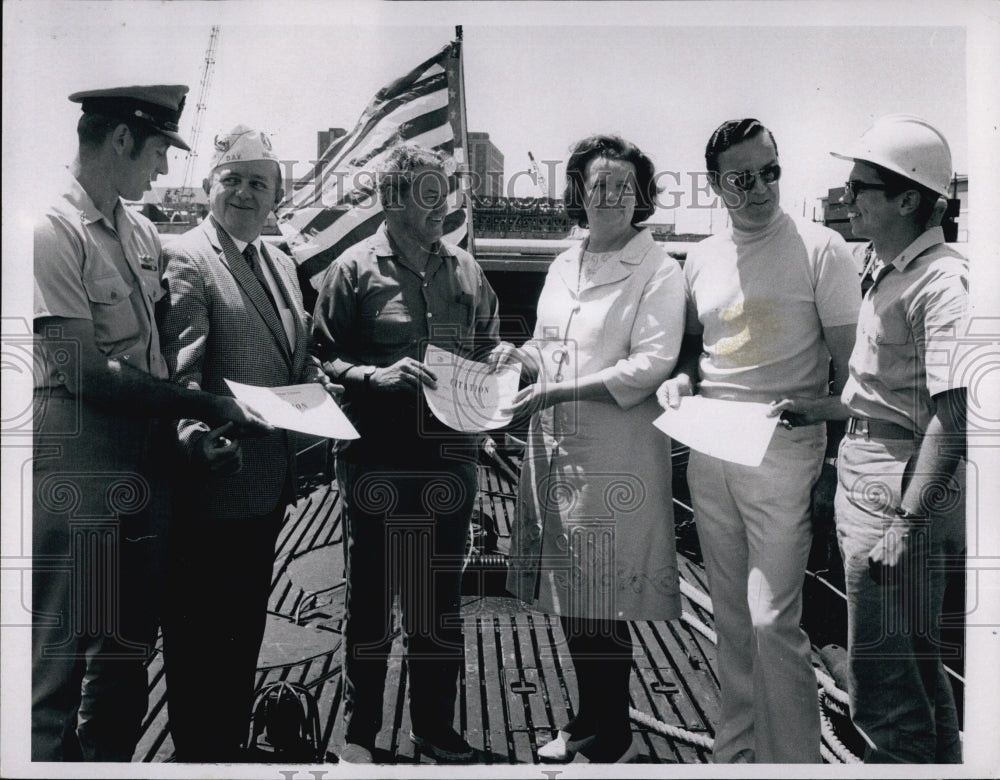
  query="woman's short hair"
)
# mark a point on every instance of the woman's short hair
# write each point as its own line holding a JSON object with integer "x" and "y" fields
{"x": 395, "y": 174}
{"x": 729, "y": 134}
{"x": 609, "y": 147}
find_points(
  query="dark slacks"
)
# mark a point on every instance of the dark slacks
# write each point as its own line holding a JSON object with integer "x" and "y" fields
{"x": 218, "y": 582}
{"x": 602, "y": 661}
{"x": 98, "y": 520}
{"x": 406, "y": 532}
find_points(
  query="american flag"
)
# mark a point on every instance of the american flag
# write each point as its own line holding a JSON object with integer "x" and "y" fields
{"x": 336, "y": 205}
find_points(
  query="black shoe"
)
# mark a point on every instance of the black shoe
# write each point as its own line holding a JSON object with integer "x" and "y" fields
{"x": 444, "y": 744}
{"x": 598, "y": 753}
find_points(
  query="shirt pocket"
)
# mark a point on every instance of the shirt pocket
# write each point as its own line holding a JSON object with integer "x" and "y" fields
{"x": 114, "y": 318}
{"x": 461, "y": 311}
{"x": 389, "y": 324}
{"x": 152, "y": 285}
{"x": 890, "y": 330}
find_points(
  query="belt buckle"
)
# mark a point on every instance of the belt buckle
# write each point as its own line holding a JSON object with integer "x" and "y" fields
{"x": 859, "y": 426}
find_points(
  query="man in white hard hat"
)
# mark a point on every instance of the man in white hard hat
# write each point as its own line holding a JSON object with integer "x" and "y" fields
{"x": 772, "y": 303}
{"x": 900, "y": 500}
{"x": 235, "y": 312}
{"x": 101, "y": 398}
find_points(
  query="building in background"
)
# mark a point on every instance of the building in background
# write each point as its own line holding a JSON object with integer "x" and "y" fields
{"x": 486, "y": 166}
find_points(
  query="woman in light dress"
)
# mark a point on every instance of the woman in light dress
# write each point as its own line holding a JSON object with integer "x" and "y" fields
{"x": 594, "y": 537}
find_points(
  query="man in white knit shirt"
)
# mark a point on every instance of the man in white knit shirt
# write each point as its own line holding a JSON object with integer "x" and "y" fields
{"x": 771, "y": 301}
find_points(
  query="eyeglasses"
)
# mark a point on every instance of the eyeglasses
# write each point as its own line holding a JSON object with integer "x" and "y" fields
{"x": 853, "y": 187}
{"x": 745, "y": 180}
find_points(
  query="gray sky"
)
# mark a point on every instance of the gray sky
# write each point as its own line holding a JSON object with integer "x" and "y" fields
{"x": 660, "y": 77}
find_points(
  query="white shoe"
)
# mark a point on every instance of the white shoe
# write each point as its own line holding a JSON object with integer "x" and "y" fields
{"x": 563, "y": 747}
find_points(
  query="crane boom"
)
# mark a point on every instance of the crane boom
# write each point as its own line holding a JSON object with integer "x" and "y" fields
{"x": 199, "y": 114}
{"x": 543, "y": 186}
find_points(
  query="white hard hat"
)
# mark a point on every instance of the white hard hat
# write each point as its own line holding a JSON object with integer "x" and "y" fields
{"x": 242, "y": 144}
{"x": 907, "y": 145}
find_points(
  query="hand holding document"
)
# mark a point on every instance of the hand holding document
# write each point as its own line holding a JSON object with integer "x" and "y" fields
{"x": 737, "y": 431}
{"x": 305, "y": 408}
{"x": 469, "y": 395}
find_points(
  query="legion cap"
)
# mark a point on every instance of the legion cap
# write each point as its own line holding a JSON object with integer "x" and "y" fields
{"x": 242, "y": 144}
{"x": 907, "y": 145}
{"x": 157, "y": 106}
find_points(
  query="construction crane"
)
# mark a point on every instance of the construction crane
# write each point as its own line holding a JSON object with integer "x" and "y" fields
{"x": 186, "y": 194}
{"x": 543, "y": 186}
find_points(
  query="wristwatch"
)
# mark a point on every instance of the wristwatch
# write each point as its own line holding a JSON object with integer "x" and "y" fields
{"x": 904, "y": 514}
{"x": 368, "y": 377}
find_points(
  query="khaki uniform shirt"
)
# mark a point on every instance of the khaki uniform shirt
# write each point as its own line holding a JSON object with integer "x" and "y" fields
{"x": 85, "y": 268}
{"x": 909, "y": 334}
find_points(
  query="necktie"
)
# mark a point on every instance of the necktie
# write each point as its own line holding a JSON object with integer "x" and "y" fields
{"x": 250, "y": 255}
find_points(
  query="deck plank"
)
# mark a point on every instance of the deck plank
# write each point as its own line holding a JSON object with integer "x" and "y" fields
{"x": 517, "y": 684}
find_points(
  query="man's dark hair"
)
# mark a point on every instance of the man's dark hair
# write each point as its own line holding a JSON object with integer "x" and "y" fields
{"x": 92, "y": 129}
{"x": 609, "y": 147}
{"x": 729, "y": 134}
{"x": 896, "y": 184}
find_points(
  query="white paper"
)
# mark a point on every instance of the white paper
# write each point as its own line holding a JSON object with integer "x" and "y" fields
{"x": 305, "y": 408}
{"x": 469, "y": 396}
{"x": 737, "y": 431}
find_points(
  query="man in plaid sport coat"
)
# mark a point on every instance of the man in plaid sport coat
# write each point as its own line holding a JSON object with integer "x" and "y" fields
{"x": 235, "y": 312}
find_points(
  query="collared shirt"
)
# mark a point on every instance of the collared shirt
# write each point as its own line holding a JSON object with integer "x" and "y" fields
{"x": 760, "y": 301}
{"x": 287, "y": 319}
{"x": 87, "y": 268}
{"x": 909, "y": 329}
{"x": 375, "y": 308}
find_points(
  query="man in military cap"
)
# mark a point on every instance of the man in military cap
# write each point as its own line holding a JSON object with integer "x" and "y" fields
{"x": 235, "y": 312}
{"x": 100, "y": 385}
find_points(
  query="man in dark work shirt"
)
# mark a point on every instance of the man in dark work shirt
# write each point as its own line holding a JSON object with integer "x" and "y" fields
{"x": 409, "y": 482}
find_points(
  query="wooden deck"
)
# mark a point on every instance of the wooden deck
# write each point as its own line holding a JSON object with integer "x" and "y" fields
{"x": 516, "y": 687}
{"x": 517, "y": 684}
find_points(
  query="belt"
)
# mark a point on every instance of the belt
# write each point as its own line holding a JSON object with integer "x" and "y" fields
{"x": 877, "y": 429}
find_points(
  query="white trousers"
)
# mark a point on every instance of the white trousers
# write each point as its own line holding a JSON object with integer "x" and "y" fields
{"x": 755, "y": 533}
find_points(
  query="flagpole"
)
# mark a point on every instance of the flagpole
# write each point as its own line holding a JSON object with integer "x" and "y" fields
{"x": 456, "y": 53}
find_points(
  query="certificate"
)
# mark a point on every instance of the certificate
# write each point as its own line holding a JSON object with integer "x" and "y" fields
{"x": 737, "y": 431}
{"x": 469, "y": 396}
{"x": 305, "y": 408}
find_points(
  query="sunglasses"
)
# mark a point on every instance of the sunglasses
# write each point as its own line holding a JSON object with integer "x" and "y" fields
{"x": 745, "y": 180}
{"x": 853, "y": 187}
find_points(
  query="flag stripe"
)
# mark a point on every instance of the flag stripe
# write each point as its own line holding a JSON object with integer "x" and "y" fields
{"x": 323, "y": 228}
{"x": 385, "y": 115}
{"x": 346, "y": 177}
{"x": 336, "y": 204}
{"x": 344, "y": 221}
{"x": 385, "y": 94}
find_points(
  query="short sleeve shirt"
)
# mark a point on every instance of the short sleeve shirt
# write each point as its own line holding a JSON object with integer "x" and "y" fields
{"x": 85, "y": 268}
{"x": 909, "y": 335}
{"x": 760, "y": 301}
